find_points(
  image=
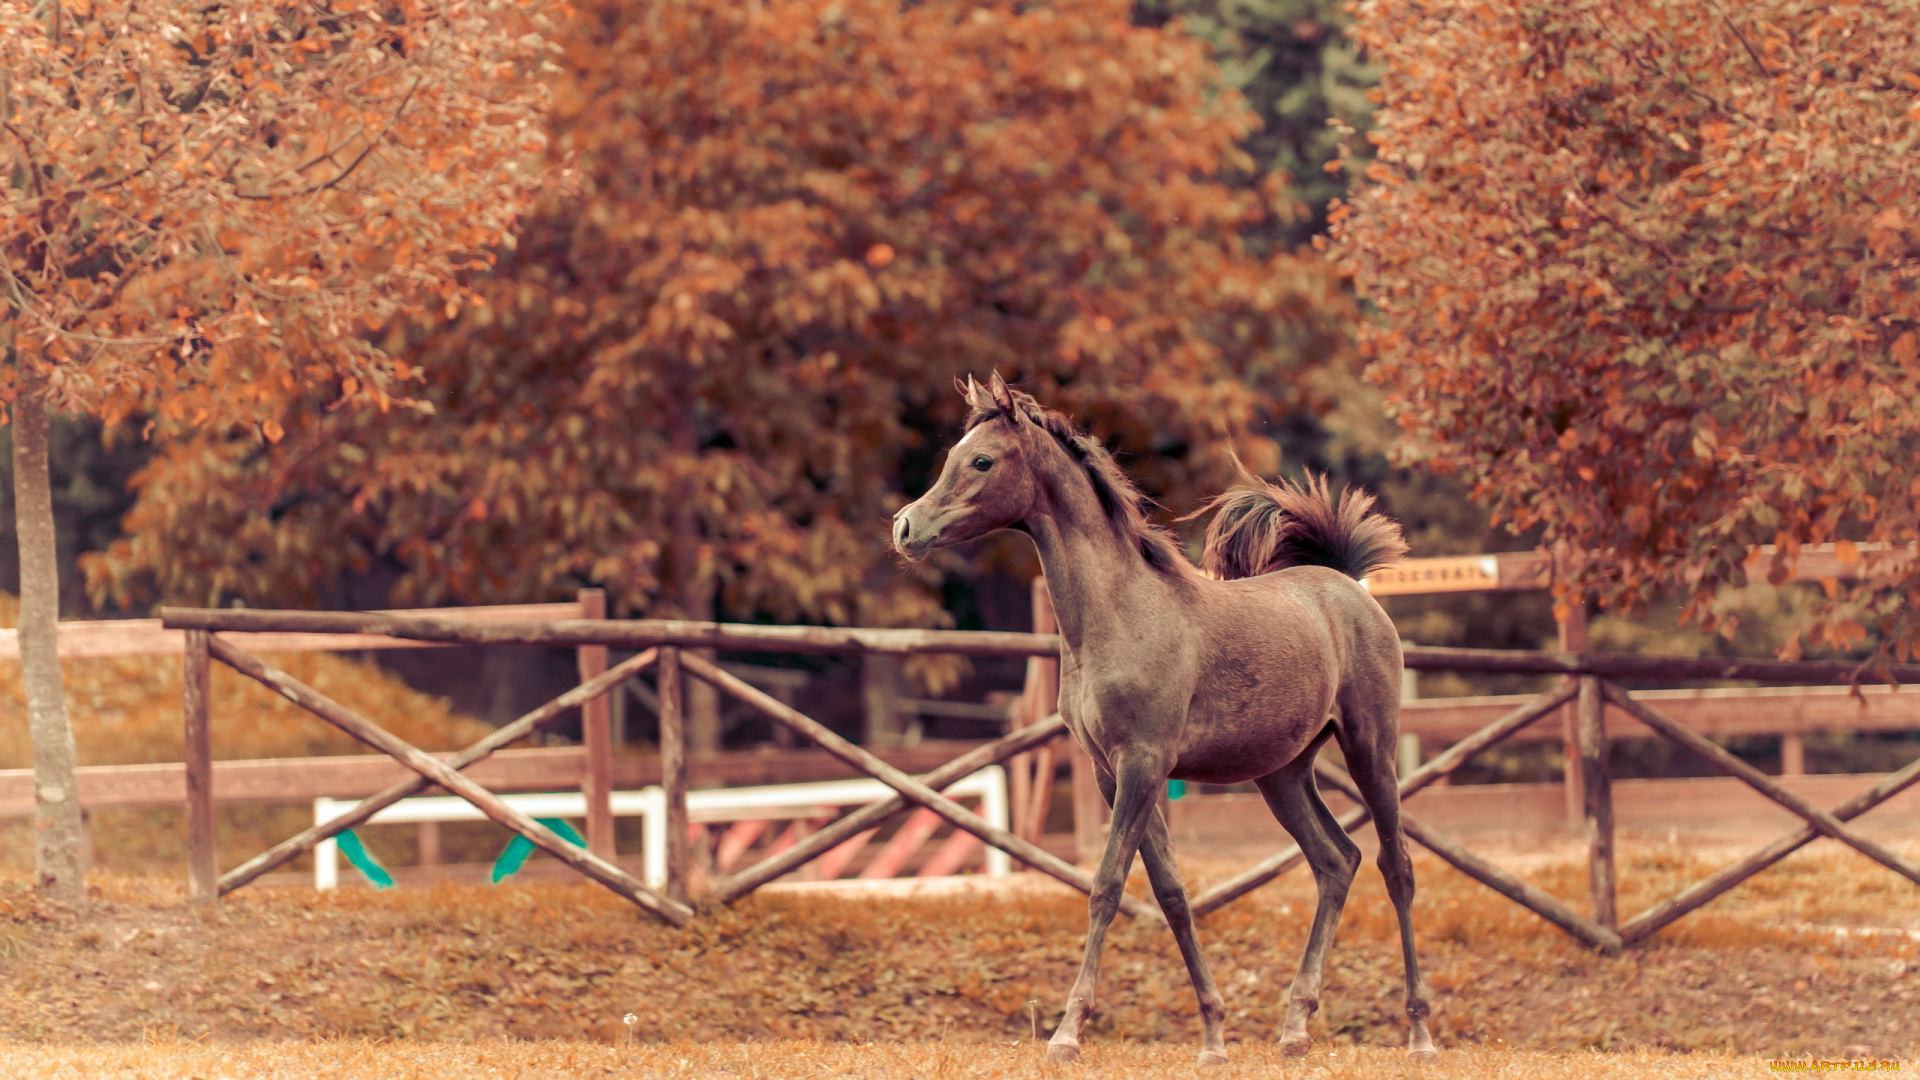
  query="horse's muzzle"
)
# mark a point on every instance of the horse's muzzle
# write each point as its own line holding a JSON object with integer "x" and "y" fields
{"x": 905, "y": 542}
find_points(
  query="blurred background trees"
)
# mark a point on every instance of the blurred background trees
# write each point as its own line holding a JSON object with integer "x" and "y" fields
{"x": 1650, "y": 283}
{"x": 1298, "y": 68}
{"x": 722, "y": 350}
{"x": 1118, "y": 223}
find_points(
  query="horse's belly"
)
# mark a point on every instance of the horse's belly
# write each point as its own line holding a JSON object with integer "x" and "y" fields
{"x": 1236, "y": 752}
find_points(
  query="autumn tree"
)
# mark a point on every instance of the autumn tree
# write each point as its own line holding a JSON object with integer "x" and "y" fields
{"x": 708, "y": 372}
{"x": 202, "y": 209}
{"x": 1647, "y": 273}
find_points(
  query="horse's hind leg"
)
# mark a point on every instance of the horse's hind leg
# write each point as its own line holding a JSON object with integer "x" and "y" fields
{"x": 1334, "y": 859}
{"x": 1156, "y": 850}
{"x": 1370, "y": 759}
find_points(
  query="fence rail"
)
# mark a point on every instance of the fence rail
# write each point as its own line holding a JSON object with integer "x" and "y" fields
{"x": 82, "y": 638}
{"x": 1788, "y": 712}
{"x": 647, "y": 633}
{"x": 617, "y": 633}
{"x": 351, "y": 776}
{"x": 1720, "y": 712}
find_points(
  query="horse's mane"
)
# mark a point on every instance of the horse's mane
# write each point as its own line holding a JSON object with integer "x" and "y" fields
{"x": 1119, "y": 497}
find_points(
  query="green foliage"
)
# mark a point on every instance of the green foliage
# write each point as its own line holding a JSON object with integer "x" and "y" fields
{"x": 1297, "y": 68}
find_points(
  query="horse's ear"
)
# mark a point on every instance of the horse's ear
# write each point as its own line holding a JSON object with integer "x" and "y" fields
{"x": 975, "y": 394}
{"x": 1002, "y": 396}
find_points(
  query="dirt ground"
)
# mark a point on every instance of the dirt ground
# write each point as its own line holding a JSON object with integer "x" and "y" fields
{"x": 1818, "y": 958}
{"x": 358, "y": 1060}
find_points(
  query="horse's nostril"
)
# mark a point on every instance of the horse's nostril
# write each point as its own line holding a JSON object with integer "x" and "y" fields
{"x": 900, "y": 530}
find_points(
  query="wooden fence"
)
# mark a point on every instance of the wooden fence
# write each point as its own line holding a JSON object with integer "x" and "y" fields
{"x": 232, "y": 637}
{"x": 663, "y": 645}
{"x": 1586, "y": 682}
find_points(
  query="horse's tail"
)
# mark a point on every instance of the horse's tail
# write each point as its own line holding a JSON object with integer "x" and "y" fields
{"x": 1263, "y": 527}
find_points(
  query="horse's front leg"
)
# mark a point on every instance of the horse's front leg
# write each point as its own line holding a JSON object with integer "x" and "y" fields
{"x": 1156, "y": 851}
{"x": 1133, "y": 793}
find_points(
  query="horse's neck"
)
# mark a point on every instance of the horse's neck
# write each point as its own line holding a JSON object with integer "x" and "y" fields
{"x": 1089, "y": 564}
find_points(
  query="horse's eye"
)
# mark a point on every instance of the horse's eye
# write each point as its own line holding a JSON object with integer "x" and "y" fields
{"x": 983, "y": 463}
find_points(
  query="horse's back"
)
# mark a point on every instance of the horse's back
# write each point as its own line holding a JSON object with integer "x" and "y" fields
{"x": 1281, "y": 654}
{"x": 1326, "y": 612}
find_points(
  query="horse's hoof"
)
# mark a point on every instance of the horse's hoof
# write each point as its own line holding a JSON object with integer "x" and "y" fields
{"x": 1425, "y": 1055}
{"x": 1062, "y": 1053}
{"x": 1295, "y": 1047}
{"x": 1212, "y": 1057}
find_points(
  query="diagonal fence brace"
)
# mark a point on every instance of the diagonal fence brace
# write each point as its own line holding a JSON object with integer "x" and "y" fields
{"x": 1432, "y": 772}
{"x": 1520, "y": 892}
{"x": 1654, "y": 919}
{"x": 1760, "y": 782}
{"x": 294, "y": 846}
{"x": 874, "y": 815}
{"x": 435, "y": 771}
{"x": 914, "y": 790}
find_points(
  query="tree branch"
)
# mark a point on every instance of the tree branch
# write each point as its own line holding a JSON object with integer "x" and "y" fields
{"x": 355, "y": 163}
{"x": 20, "y": 301}
{"x": 1751, "y": 51}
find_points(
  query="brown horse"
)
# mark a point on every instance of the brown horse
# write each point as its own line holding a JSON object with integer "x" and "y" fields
{"x": 1166, "y": 672}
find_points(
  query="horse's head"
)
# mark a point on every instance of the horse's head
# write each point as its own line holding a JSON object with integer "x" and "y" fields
{"x": 988, "y": 482}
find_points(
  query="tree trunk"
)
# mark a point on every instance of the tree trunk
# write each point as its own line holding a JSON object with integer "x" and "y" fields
{"x": 57, "y": 821}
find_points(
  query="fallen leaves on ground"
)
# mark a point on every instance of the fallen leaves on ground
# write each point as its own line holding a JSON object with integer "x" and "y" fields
{"x": 357, "y": 1059}
{"x": 550, "y": 961}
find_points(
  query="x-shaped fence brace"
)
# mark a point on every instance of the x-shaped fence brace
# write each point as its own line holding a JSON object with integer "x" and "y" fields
{"x": 1819, "y": 822}
{"x": 1468, "y": 863}
{"x": 293, "y": 847}
{"x": 1598, "y": 932}
{"x": 923, "y": 791}
{"x": 432, "y": 770}
{"x": 909, "y": 788}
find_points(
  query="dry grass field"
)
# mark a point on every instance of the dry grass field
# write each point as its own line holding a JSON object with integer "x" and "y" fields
{"x": 1814, "y": 959}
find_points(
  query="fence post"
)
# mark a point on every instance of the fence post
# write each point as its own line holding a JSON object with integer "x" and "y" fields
{"x": 1089, "y": 806}
{"x": 673, "y": 768}
{"x": 1407, "y": 755}
{"x": 1597, "y": 788}
{"x": 428, "y": 835}
{"x": 1793, "y": 754}
{"x": 1046, "y": 702}
{"x": 1030, "y": 776}
{"x": 203, "y": 876}
{"x": 596, "y": 735}
{"x": 1573, "y": 639}
{"x": 1019, "y": 775}
{"x": 880, "y": 696}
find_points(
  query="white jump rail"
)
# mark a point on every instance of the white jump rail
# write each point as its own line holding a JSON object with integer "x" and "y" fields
{"x": 989, "y": 785}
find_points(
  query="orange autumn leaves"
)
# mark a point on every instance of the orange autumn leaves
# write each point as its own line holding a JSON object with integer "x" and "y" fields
{"x": 204, "y": 207}
{"x": 1650, "y": 278}
{"x": 726, "y": 341}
